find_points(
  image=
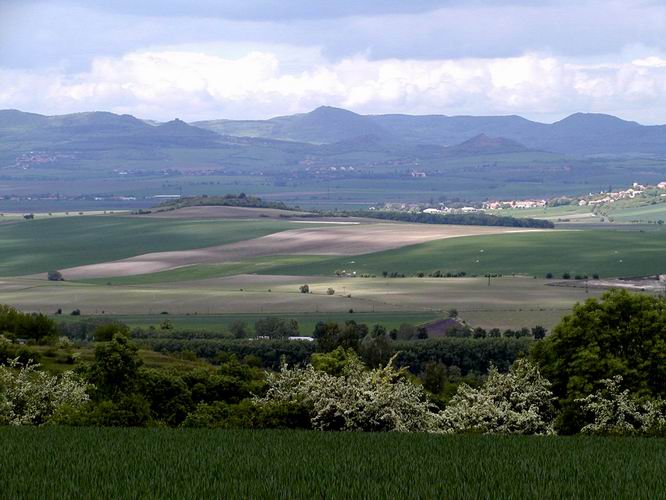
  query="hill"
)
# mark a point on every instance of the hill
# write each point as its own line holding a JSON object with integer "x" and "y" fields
{"x": 580, "y": 133}
{"x": 323, "y": 125}
{"x": 482, "y": 145}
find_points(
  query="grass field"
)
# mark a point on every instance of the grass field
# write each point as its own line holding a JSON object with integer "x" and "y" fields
{"x": 53, "y": 462}
{"x": 41, "y": 245}
{"x": 608, "y": 253}
{"x": 507, "y": 302}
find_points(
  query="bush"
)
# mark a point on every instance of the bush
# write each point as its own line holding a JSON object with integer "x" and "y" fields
{"x": 33, "y": 397}
{"x": 304, "y": 288}
{"x": 619, "y": 413}
{"x": 358, "y": 400}
{"x": 519, "y": 402}
{"x": 330, "y": 291}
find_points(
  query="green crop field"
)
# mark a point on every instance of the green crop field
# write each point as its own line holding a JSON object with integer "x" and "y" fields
{"x": 306, "y": 322}
{"x": 53, "y": 462}
{"x": 41, "y": 245}
{"x": 608, "y": 253}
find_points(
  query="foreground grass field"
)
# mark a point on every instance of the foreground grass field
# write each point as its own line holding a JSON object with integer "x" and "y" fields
{"x": 57, "y": 462}
{"x": 41, "y": 245}
{"x": 608, "y": 253}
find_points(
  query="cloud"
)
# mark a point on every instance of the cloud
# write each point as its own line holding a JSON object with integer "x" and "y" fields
{"x": 197, "y": 85}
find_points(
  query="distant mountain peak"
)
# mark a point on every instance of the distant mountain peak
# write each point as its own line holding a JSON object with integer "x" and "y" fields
{"x": 484, "y": 144}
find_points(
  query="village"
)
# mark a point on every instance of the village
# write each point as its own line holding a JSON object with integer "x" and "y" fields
{"x": 591, "y": 200}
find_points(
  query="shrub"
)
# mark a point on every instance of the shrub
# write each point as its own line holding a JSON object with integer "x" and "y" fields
{"x": 518, "y": 402}
{"x": 32, "y": 397}
{"x": 304, "y": 288}
{"x": 357, "y": 400}
{"x": 330, "y": 291}
{"x": 619, "y": 413}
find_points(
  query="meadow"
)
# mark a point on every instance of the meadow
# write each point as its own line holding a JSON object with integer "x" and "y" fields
{"x": 65, "y": 462}
{"x": 507, "y": 303}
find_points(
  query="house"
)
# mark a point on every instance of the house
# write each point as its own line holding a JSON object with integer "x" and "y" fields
{"x": 441, "y": 327}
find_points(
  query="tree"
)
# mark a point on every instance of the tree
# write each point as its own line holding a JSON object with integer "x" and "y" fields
{"x": 326, "y": 335}
{"x": 621, "y": 334}
{"x": 330, "y": 291}
{"x": 376, "y": 351}
{"x": 55, "y": 276}
{"x": 434, "y": 377}
{"x": 539, "y": 332}
{"x": 304, "y": 288}
{"x": 238, "y": 329}
{"x": 115, "y": 369}
{"x": 276, "y": 328}
{"x": 518, "y": 402}
{"x": 453, "y": 313}
{"x": 106, "y": 332}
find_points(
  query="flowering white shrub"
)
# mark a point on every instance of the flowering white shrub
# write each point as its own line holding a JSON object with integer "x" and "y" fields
{"x": 31, "y": 397}
{"x": 358, "y": 400}
{"x": 617, "y": 412}
{"x": 517, "y": 402}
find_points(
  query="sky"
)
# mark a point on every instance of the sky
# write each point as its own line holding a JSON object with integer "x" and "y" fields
{"x": 254, "y": 59}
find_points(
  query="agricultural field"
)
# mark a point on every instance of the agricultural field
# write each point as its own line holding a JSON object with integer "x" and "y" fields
{"x": 332, "y": 238}
{"x": 221, "y": 322}
{"x": 184, "y": 463}
{"x": 507, "y": 302}
{"x": 205, "y": 267}
{"x": 43, "y": 244}
{"x": 608, "y": 253}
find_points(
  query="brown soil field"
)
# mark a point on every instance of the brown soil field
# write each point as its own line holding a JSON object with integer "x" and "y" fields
{"x": 355, "y": 239}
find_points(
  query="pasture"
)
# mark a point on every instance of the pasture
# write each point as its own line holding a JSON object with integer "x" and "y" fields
{"x": 63, "y": 462}
{"x": 507, "y": 302}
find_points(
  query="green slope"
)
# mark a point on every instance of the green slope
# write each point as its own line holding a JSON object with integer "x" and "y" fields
{"x": 608, "y": 253}
{"x": 45, "y": 244}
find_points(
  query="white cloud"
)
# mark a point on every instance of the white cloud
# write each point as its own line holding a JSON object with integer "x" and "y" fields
{"x": 191, "y": 84}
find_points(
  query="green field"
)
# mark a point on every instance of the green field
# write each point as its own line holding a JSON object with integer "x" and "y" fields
{"x": 41, "y": 245}
{"x": 221, "y": 322}
{"x": 53, "y": 462}
{"x": 608, "y": 253}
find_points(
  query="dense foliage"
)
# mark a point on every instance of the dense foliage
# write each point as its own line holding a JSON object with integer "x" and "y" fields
{"x": 622, "y": 334}
{"x": 467, "y": 219}
{"x": 355, "y": 398}
{"x": 227, "y": 200}
{"x": 15, "y": 324}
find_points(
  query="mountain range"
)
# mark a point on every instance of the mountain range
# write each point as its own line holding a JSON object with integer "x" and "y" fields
{"x": 327, "y": 128}
{"x": 580, "y": 133}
